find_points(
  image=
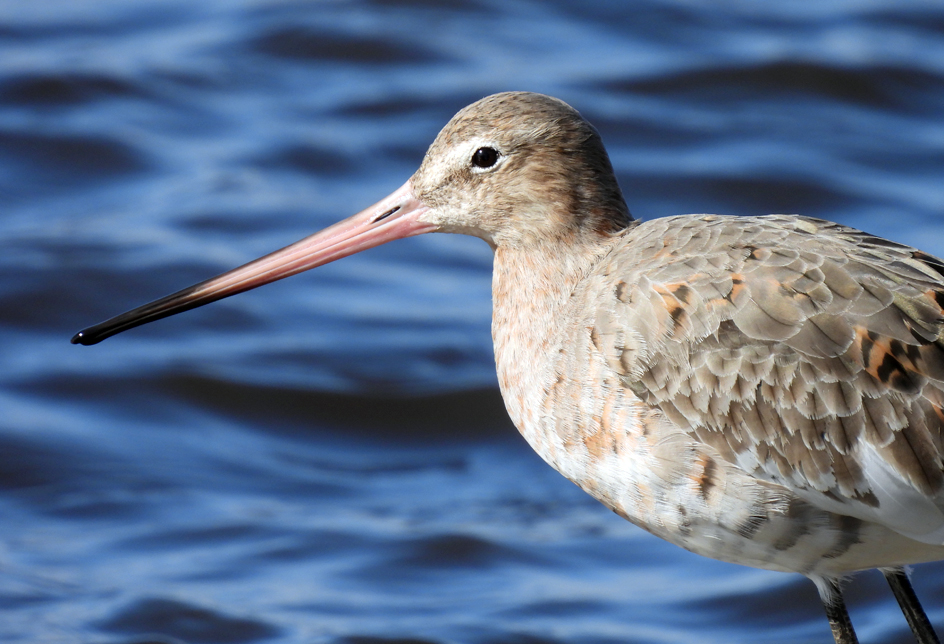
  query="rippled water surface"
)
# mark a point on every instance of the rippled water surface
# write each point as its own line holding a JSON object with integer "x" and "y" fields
{"x": 327, "y": 459}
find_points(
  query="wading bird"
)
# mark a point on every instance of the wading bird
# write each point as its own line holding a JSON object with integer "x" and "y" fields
{"x": 767, "y": 391}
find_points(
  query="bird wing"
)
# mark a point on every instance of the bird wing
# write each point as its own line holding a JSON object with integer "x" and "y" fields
{"x": 805, "y": 352}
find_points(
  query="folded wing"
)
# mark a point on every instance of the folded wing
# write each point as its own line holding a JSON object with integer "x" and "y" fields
{"x": 808, "y": 353}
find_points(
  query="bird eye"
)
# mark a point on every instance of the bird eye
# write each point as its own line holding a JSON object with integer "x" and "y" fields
{"x": 485, "y": 157}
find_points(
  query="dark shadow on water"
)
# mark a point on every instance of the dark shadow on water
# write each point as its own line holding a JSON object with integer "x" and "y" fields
{"x": 303, "y": 44}
{"x": 883, "y": 87}
{"x": 445, "y": 417}
{"x": 49, "y": 90}
{"x": 187, "y": 622}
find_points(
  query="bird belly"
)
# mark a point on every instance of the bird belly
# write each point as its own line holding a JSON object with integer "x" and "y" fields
{"x": 635, "y": 461}
{"x": 677, "y": 491}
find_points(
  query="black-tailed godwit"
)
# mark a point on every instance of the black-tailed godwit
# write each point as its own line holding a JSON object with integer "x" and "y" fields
{"x": 762, "y": 390}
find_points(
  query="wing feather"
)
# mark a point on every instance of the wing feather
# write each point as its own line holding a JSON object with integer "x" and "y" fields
{"x": 806, "y": 352}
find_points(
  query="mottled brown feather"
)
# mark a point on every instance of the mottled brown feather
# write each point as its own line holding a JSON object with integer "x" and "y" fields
{"x": 801, "y": 345}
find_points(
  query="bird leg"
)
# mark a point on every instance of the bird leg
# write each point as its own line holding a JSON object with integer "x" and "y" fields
{"x": 910, "y": 606}
{"x": 839, "y": 621}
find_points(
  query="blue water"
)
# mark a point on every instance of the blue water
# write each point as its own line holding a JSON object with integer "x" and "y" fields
{"x": 327, "y": 459}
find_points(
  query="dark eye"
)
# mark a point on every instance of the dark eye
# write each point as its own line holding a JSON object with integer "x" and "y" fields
{"x": 485, "y": 157}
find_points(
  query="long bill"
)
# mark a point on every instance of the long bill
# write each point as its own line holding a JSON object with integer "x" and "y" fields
{"x": 394, "y": 217}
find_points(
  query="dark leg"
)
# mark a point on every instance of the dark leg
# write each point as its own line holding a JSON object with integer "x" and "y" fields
{"x": 836, "y": 611}
{"x": 910, "y": 606}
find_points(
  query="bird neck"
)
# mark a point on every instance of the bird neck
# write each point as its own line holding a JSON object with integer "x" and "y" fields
{"x": 531, "y": 288}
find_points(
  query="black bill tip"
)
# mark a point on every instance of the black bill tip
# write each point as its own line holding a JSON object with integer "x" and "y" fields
{"x": 82, "y": 338}
{"x": 88, "y": 337}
